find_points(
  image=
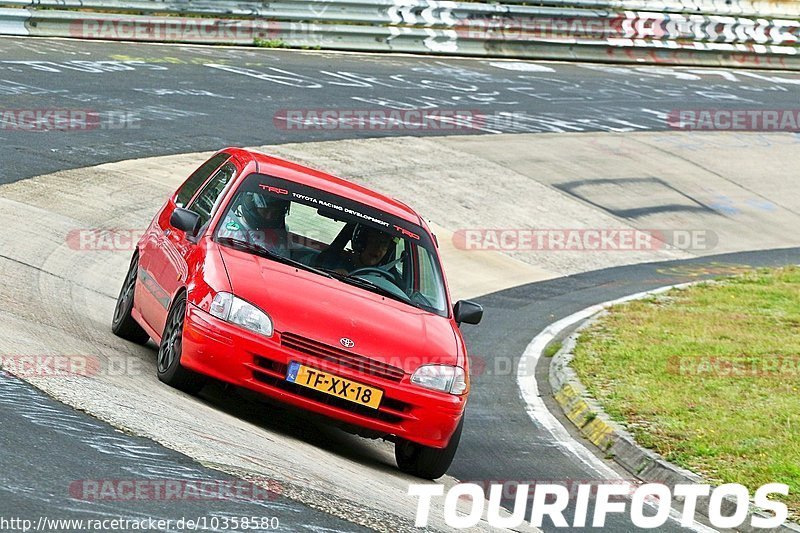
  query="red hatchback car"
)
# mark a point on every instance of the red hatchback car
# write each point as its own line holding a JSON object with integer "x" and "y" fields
{"x": 310, "y": 290}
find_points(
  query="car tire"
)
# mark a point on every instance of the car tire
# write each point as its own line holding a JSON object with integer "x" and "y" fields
{"x": 426, "y": 462}
{"x": 168, "y": 363}
{"x": 123, "y": 325}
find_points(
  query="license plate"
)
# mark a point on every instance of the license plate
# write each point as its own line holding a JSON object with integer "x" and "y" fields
{"x": 334, "y": 385}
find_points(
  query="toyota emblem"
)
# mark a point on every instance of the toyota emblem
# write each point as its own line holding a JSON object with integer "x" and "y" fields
{"x": 347, "y": 343}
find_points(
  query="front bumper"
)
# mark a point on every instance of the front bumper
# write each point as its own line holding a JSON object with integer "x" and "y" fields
{"x": 232, "y": 354}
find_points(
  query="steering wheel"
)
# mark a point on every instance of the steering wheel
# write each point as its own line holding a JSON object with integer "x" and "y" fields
{"x": 374, "y": 270}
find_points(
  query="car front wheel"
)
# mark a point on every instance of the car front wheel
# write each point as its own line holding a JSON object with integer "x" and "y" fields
{"x": 169, "y": 367}
{"x": 426, "y": 462}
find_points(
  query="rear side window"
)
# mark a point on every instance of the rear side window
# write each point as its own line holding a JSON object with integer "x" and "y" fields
{"x": 204, "y": 204}
{"x": 199, "y": 177}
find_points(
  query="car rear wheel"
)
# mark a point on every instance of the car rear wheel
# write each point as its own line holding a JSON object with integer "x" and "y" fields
{"x": 168, "y": 366}
{"x": 426, "y": 462}
{"x": 123, "y": 325}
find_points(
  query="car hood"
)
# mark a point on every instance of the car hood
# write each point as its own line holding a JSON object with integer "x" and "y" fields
{"x": 327, "y": 310}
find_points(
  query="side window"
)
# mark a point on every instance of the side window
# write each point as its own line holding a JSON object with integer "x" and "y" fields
{"x": 199, "y": 177}
{"x": 429, "y": 280}
{"x": 204, "y": 204}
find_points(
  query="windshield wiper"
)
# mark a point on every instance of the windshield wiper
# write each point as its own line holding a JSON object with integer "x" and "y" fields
{"x": 367, "y": 284}
{"x": 263, "y": 252}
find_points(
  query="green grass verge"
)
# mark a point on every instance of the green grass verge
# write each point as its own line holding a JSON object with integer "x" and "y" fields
{"x": 708, "y": 376}
{"x": 269, "y": 43}
{"x": 552, "y": 349}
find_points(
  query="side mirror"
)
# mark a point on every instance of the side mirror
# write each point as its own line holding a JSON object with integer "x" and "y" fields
{"x": 185, "y": 220}
{"x": 468, "y": 312}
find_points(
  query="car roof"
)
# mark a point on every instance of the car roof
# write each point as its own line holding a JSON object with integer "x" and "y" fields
{"x": 281, "y": 168}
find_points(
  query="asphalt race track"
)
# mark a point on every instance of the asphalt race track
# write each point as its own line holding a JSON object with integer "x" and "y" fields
{"x": 187, "y": 99}
{"x": 54, "y": 447}
{"x": 501, "y": 443}
{"x": 190, "y": 98}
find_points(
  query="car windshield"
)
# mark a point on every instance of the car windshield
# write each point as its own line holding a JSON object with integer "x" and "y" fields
{"x": 333, "y": 236}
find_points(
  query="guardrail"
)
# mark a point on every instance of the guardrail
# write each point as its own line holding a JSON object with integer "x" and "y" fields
{"x": 747, "y": 8}
{"x": 594, "y": 30}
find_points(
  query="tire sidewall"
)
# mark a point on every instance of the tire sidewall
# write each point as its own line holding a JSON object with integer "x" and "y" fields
{"x": 169, "y": 373}
{"x": 425, "y": 462}
{"x": 117, "y": 322}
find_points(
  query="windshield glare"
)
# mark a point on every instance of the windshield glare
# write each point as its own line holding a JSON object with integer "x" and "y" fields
{"x": 354, "y": 242}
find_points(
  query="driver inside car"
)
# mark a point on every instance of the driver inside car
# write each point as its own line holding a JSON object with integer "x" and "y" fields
{"x": 370, "y": 249}
{"x": 259, "y": 219}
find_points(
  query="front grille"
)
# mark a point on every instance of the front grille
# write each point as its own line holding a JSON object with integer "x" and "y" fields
{"x": 273, "y": 367}
{"x": 341, "y": 357}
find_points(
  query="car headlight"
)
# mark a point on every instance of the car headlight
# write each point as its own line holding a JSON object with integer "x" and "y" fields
{"x": 229, "y": 308}
{"x": 443, "y": 378}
